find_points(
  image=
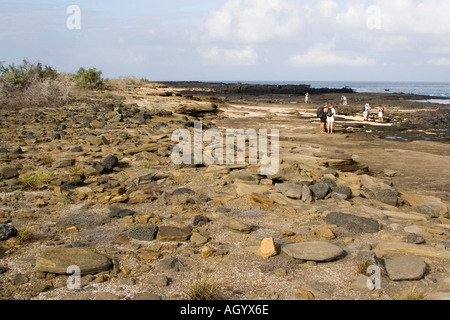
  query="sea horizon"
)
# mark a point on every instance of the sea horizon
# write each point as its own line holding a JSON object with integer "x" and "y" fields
{"x": 426, "y": 88}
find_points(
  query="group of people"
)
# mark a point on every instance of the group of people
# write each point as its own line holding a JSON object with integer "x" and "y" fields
{"x": 367, "y": 109}
{"x": 327, "y": 115}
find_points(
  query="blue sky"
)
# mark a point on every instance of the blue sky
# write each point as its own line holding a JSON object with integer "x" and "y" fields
{"x": 238, "y": 40}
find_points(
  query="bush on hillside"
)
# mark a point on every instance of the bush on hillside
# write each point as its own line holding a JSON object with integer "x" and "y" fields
{"x": 89, "y": 79}
{"x": 32, "y": 85}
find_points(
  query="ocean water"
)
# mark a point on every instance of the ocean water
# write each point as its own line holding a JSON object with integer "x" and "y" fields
{"x": 433, "y": 89}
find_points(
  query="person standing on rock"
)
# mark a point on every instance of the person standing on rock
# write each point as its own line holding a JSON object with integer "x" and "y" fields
{"x": 344, "y": 100}
{"x": 380, "y": 113}
{"x": 322, "y": 115}
{"x": 331, "y": 113}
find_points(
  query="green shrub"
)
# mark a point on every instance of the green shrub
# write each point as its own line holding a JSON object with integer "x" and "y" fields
{"x": 32, "y": 85}
{"x": 89, "y": 79}
{"x": 26, "y": 73}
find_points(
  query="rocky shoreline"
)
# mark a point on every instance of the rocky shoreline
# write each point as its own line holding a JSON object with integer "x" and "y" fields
{"x": 93, "y": 185}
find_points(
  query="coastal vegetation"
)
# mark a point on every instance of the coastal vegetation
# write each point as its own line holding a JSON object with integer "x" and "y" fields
{"x": 35, "y": 84}
{"x": 89, "y": 78}
{"x": 32, "y": 84}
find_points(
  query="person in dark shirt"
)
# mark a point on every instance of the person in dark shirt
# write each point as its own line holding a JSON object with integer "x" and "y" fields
{"x": 322, "y": 115}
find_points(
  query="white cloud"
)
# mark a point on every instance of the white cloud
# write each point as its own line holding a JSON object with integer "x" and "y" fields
{"x": 443, "y": 62}
{"x": 253, "y": 21}
{"x": 420, "y": 17}
{"x": 354, "y": 17}
{"x": 319, "y": 21}
{"x": 400, "y": 16}
{"x": 230, "y": 57}
{"x": 327, "y": 8}
{"x": 323, "y": 56}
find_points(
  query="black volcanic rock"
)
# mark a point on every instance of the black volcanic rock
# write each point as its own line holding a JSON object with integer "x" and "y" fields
{"x": 353, "y": 223}
{"x": 198, "y": 88}
{"x": 7, "y": 231}
{"x": 110, "y": 162}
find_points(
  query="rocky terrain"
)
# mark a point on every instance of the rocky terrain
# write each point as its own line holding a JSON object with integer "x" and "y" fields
{"x": 93, "y": 185}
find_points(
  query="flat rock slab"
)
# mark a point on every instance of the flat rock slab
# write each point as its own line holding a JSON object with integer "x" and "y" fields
{"x": 144, "y": 233}
{"x": 404, "y": 216}
{"x": 248, "y": 189}
{"x": 121, "y": 213}
{"x": 83, "y": 220}
{"x": 426, "y": 210}
{"x": 143, "y": 176}
{"x": 332, "y": 155}
{"x": 198, "y": 239}
{"x": 372, "y": 183}
{"x": 321, "y": 251}
{"x": 149, "y": 148}
{"x": 170, "y": 264}
{"x": 406, "y": 268}
{"x": 387, "y": 196}
{"x": 438, "y": 206}
{"x": 353, "y": 223}
{"x": 388, "y": 247}
{"x": 62, "y": 163}
{"x": 57, "y": 260}
{"x": 181, "y": 191}
{"x": 238, "y": 226}
{"x": 171, "y": 233}
{"x": 96, "y": 140}
{"x": 8, "y": 172}
{"x": 159, "y": 280}
{"x": 291, "y": 190}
